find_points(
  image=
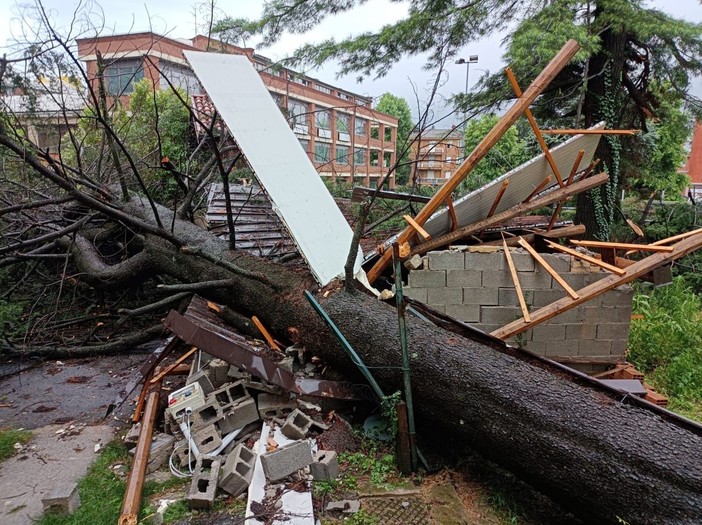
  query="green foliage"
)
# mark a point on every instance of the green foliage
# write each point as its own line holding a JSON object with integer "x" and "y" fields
{"x": 176, "y": 511}
{"x": 399, "y": 108}
{"x": 509, "y": 152}
{"x": 667, "y": 341}
{"x": 8, "y": 438}
{"x": 362, "y": 517}
{"x": 378, "y": 466}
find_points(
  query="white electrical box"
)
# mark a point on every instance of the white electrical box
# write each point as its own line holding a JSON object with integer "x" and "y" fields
{"x": 190, "y": 396}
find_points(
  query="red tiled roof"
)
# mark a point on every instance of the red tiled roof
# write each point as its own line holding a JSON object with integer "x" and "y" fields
{"x": 204, "y": 110}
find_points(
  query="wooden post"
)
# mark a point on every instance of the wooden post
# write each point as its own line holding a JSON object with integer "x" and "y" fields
{"x": 551, "y": 197}
{"x": 135, "y": 481}
{"x": 534, "y": 127}
{"x": 404, "y": 458}
{"x": 554, "y": 67}
{"x": 575, "y": 167}
{"x": 498, "y": 198}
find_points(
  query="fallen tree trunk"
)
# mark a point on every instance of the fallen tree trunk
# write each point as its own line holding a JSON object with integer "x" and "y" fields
{"x": 603, "y": 459}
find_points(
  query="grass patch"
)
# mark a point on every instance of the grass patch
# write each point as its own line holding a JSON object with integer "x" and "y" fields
{"x": 101, "y": 492}
{"x": 8, "y": 438}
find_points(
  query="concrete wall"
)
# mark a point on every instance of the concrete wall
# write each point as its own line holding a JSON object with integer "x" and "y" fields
{"x": 475, "y": 286}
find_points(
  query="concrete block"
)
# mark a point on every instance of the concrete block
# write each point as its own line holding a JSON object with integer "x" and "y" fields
{"x": 496, "y": 279}
{"x": 613, "y": 331}
{"x": 415, "y": 262}
{"x": 619, "y": 347}
{"x": 508, "y": 297}
{"x": 484, "y": 261}
{"x": 203, "y": 487}
{"x": 561, "y": 348}
{"x": 481, "y": 296}
{"x": 324, "y": 466}
{"x": 594, "y": 347}
{"x": 270, "y": 405}
{"x": 207, "y": 439}
{"x": 541, "y": 298}
{"x": 574, "y": 315}
{"x": 522, "y": 260}
{"x": 613, "y": 314}
{"x": 534, "y": 280}
{"x": 446, "y": 260}
{"x": 130, "y": 440}
{"x": 444, "y": 296}
{"x": 159, "y": 452}
{"x": 217, "y": 371}
{"x": 580, "y": 280}
{"x": 297, "y": 425}
{"x": 207, "y": 414}
{"x": 239, "y": 415}
{"x": 63, "y": 499}
{"x": 469, "y": 278}
{"x": 549, "y": 332}
{"x": 235, "y": 373}
{"x": 418, "y": 294}
{"x": 558, "y": 261}
{"x": 499, "y": 315}
{"x": 575, "y": 332}
{"x": 236, "y": 472}
{"x": 619, "y": 297}
{"x": 580, "y": 266}
{"x": 229, "y": 394}
{"x": 280, "y": 463}
{"x": 468, "y": 313}
{"x": 427, "y": 279}
{"x": 202, "y": 378}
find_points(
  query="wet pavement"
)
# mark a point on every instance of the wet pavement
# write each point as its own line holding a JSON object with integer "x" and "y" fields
{"x": 58, "y": 392}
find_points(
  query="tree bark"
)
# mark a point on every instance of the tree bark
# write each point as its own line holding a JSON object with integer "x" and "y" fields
{"x": 601, "y": 458}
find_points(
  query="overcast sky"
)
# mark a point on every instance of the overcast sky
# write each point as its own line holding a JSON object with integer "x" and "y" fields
{"x": 181, "y": 18}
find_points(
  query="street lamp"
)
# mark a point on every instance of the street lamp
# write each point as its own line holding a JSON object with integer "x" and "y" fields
{"x": 472, "y": 59}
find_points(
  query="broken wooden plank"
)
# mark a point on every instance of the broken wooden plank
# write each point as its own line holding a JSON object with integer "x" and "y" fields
{"x": 538, "y": 189}
{"x": 597, "y": 288}
{"x": 576, "y": 165}
{"x": 551, "y": 197}
{"x": 452, "y": 214}
{"x": 584, "y": 257}
{"x": 624, "y": 246}
{"x": 534, "y": 127}
{"x": 675, "y": 238}
{"x": 590, "y": 131}
{"x": 168, "y": 369}
{"x": 557, "y": 233}
{"x": 268, "y": 337}
{"x": 421, "y": 231}
{"x": 537, "y": 257}
{"x": 555, "y": 215}
{"x": 544, "y": 78}
{"x": 498, "y": 197}
{"x": 517, "y": 286}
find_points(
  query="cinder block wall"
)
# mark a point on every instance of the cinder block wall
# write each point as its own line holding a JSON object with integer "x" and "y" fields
{"x": 476, "y": 286}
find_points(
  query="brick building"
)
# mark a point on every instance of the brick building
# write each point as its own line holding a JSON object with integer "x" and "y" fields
{"x": 340, "y": 131}
{"x": 693, "y": 166}
{"x": 436, "y": 154}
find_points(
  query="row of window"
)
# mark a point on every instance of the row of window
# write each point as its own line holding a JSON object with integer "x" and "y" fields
{"x": 322, "y": 153}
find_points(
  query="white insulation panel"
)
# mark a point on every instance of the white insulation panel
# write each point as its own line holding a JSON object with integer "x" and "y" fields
{"x": 281, "y": 166}
{"x": 523, "y": 179}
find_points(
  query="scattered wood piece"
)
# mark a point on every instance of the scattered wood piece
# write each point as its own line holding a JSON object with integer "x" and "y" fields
{"x": 538, "y": 189}
{"x": 548, "y": 268}
{"x": 498, "y": 197}
{"x": 576, "y": 165}
{"x": 517, "y": 286}
{"x": 557, "y": 233}
{"x": 534, "y": 127}
{"x": 636, "y": 229}
{"x": 591, "y": 260}
{"x": 452, "y": 213}
{"x": 414, "y": 224}
{"x": 540, "y": 83}
{"x": 623, "y": 246}
{"x": 597, "y": 288}
{"x": 676, "y": 238}
{"x": 266, "y": 334}
{"x": 168, "y": 369}
{"x": 551, "y": 197}
{"x": 555, "y": 215}
{"x": 590, "y": 131}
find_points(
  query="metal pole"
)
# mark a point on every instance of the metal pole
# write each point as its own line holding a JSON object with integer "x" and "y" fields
{"x": 405, "y": 352}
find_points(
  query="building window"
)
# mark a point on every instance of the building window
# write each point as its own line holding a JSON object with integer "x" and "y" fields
{"x": 343, "y": 124}
{"x": 388, "y": 134}
{"x": 344, "y": 96}
{"x": 297, "y": 116}
{"x": 322, "y": 152}
{"x": 342, "y": 154}
{"x": 121, "y": 77}
{"x": 375, "y": 132}
{"x": 374, "y": 155}
{"x": 359, "y": 156}
{"x": 387, "y": 159}
{"x": 322, "y": 121}
{"x": 305, "y": 145}
{"x": 324, "y": 89}
{"x": 447, "y": 174}
{"x": 360, "y": 126}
